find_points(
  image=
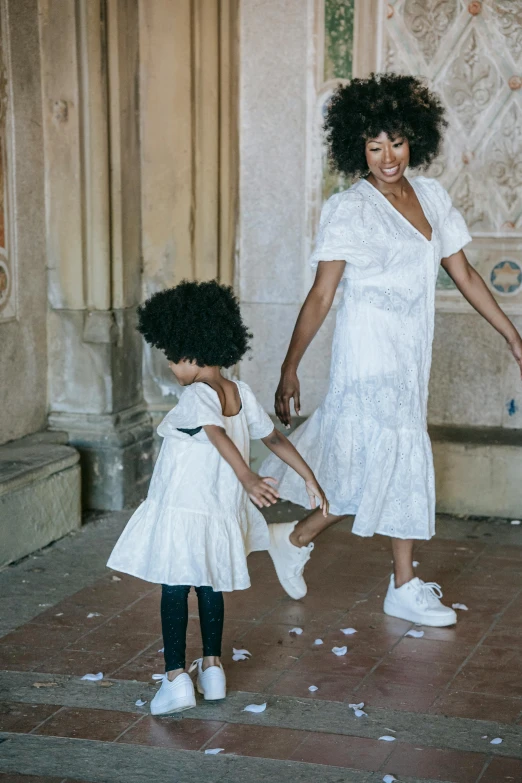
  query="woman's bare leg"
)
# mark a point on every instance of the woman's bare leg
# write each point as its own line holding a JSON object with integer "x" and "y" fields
{"x": 402, "y": 550}
{"x": 311, "y": 526}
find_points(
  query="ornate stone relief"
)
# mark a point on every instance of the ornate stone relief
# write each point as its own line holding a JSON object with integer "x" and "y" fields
{"x": 506, "y": 157}
{"x": 428, "y": 21}
{"x": 472, "y": 82}
{"x": 508, "y": 18}
{"x": 464, "y": 200}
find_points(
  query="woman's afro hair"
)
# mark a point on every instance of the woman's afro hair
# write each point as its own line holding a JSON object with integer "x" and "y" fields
{"x": 196, "y": 321}
{"x": 398, "y": 105}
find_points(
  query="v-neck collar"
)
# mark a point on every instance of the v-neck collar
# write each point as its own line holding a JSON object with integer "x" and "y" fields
{"x": 405, "y": 219}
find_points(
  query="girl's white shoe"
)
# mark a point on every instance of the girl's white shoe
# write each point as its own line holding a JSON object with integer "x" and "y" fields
{"x": 211, "y": 683}
{"x": 174, "y": 695}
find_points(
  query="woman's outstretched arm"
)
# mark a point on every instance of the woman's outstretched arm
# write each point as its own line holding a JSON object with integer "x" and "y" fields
{"x": 474, "y": 289}
{"x": 313, "y": 312}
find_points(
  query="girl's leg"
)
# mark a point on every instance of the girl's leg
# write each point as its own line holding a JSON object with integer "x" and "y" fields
{"x": 311, "y": 526}
{"x": 174, "y": 619}
{"x": 211, "y": 615}
{"x": 402, "y": 560}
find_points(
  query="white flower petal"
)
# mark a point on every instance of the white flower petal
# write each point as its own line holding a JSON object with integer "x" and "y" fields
{"x": 415, "y": 563}
{"x": 356, "y": 706}
{"x": 162, "y": 650}
{"x": 388, "y": 779}
{"x": 240, "y": 652}
{"x": 297, "y": 631}
{"x": 348, "y": 631}
{"x": 516, "y": 522}
{"x": 318, "y": 641}
{"x": 360, "y": 713}
{"x": 340, "y": 650}
{"x": 255, "y": 707}
{"x": 415, "y": 634}
{"x": 462, "y": 607}
{"x": 496, "y": 741}
{"x": 213, "y": 751}
{"x": 239, "y": 657}
{"x": 93, "y": 614}
{"x": 313, "y": 688}
{"x": 116, "y": 578}
{"x": 387, "y": 738}
{"x": 140, "y": 703}
{"x": 93, "y": 677}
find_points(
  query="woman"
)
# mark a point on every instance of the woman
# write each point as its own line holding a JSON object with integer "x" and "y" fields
{"x": 384, "y": 237}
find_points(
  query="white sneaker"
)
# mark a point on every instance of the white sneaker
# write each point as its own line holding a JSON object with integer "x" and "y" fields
{"x": 418, "y": 602}
{"x": 174, "y": 696}
{"x": 289, "y": 560}
{"x": 211, "y": 683}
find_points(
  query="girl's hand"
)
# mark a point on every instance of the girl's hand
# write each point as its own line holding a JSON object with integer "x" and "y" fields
{"x": 288, "y": 389}
{"x": 259, "y": 490}
{"x": 315, "y": 491}
{"x": 516, "y": 349}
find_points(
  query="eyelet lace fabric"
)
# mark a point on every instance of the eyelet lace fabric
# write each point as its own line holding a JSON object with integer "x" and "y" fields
{"x": 367, "y": 442}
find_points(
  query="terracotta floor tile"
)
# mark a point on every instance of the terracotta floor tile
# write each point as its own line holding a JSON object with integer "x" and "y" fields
{"x": 500, "y": 682}
{"x": 44, "y": 637}
{"x": 331, "y": 687}
{"x": 353, "y": 664}
{"x": 415, "y": 674}
{"x": 457, "y": 766}
{"x": 22, "y": 659}
{"x": 261, "y": 741}
{"x": 102, "y": 725}
{"x": 503, "y": 771}
{"x": 247, "y": 676}
{"x": 510, "y": 638}
{"x": 396, "y": 696}
{"x": 82, "y": 661}
{"x": 437, "y": 652}
{"x": 341, "y": 751}
{"x": 171, "y": 732}
{"x": 278, "y": 635}
{"x": 23, "y": 718}
{"x": 494, "y": 658}
{"x": 480, "y": 706}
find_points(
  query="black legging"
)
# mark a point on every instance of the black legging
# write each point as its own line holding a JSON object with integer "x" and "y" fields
{"x": 174, "y": 619}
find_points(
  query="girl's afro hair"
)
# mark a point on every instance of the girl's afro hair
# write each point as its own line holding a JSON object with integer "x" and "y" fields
{"x": 398, "y": 105}
{"x": 195, "y": 321}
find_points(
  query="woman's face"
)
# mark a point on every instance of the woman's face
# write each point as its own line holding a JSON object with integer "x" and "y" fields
{"x": 387, "y": 158}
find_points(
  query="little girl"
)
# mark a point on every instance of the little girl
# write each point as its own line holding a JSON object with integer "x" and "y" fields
{"x": 197, "y": 525}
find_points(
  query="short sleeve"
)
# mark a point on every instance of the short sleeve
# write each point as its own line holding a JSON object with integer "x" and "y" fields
{"x": 454, "y": 234}
{"x": 342, "y": 234}
{"x": 198, "y": 406}
{"x": 260, "y": 425}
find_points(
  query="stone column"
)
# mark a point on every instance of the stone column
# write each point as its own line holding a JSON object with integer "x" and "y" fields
{"x": 90, "y": 67}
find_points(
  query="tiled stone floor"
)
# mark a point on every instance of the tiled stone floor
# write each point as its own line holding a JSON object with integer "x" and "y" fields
{"x": 472, "y": 672}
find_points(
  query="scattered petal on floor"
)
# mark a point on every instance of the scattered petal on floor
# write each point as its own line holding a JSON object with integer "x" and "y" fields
{"x": 485, "y": 736}
{"x": 239, "y": 657}
{"x": 213, "y": 751}
{"x": 93, "y": 614}
{"x": 348, "y": 631}
{"x": 162, "y": 650}
{"x": 116, "y": 578}
{"x": 45, "y": 684}
{"x": 313, "y": 688}
{"x": 360, "y": 713}
{"x": 415, "y": 564}
{"x": 496, "y": 741}
{"x": 140, "y": 703}
{"x": 255, "y": 707}
{"x": 297, "y": 631}
{"x": 356, "y": 706}
{"x": 387, "y": 738}
{"x": 44, "y": 605}
{"x": 462, "y": 607}
{"x": 318, "y": 641}
{"x": 240, "y": 652}
{"x": 415, "y": 634}
{"x": 340, "y": 650}
{"x": 93, "y": 677}
{"x": 60, "y": 614}
{"x": 516, "y": 522}
{"x": 388, "y": 779}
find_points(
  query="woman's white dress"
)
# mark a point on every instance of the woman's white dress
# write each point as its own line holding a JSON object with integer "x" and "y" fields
{"x": 367, "y": 442}
{"x": 197, "y": 525}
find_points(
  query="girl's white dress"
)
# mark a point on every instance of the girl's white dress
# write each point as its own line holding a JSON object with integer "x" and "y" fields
{"x": 367, "y": 442}
{"x": 197, "y": 525}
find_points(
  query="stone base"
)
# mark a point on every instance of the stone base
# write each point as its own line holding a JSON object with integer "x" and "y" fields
{"x": 39, "y": 494}
{"x": 116, "y": 455}
{"x": 478, "y": 471}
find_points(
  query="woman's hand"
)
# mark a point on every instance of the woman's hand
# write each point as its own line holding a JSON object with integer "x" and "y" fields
{"x": 259, "y": 490}
{"x": 515, "y": 346}
{"x": 287, "y": 390}
{"x": 315, "y": 491}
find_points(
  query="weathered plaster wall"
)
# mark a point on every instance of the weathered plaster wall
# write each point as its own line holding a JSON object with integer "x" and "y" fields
{"x": 23, "y": 351}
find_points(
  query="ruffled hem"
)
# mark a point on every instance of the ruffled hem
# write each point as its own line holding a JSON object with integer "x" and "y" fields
{"x": 184, "y": 547}
{"x": 384, "y": 476}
